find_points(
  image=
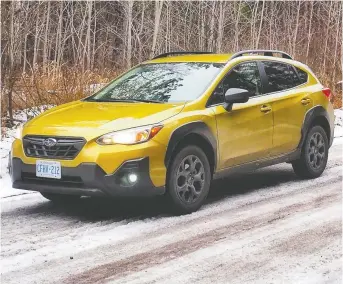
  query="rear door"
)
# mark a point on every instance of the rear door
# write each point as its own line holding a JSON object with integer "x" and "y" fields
{"x": 290, "y": 100}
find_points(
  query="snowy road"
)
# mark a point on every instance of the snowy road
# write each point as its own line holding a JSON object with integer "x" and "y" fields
{"x": 264, "y": 227}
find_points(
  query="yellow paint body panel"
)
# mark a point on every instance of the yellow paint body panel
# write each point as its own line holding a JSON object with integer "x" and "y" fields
{"x": 110, "y": 157}
{"x": 244, "y": 134}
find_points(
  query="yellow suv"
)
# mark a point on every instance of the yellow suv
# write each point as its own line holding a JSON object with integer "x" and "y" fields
{"x": 172, "y": 124}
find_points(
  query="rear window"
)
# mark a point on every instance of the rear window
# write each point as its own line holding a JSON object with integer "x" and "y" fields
{"x": 302, "y": 75}
{"x": 280, "y": 76}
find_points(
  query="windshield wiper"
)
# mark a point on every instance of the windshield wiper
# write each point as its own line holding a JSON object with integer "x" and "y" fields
{"x": 146, "y": 101}
{"x": 124, "y": 100}
{"x": 109, "y": 100}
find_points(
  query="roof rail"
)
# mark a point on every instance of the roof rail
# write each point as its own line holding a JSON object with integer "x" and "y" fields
{"x": 181, "y": 53}
{"x": 265, "y": 52}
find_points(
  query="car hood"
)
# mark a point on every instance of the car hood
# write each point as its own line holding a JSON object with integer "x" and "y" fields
{"x": 90, "y": 119}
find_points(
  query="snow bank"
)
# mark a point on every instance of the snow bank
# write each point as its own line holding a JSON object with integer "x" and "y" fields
{"x": 8, "y": 135}
{"x": 338, "y": 122}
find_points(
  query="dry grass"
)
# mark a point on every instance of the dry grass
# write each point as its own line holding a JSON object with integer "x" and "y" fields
{"x": 336, "y": 88}
{"x": 54, "y": 86}
{"x": 337, "y": 95}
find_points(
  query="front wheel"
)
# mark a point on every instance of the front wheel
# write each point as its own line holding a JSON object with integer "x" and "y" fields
{"x": 189, "y": 178}
{"x": 60, "y": 198}
{"x": 314, "y": 154}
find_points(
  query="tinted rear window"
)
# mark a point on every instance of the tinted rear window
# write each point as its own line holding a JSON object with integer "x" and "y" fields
{"x": 302, "y": 75}
{"x": 280, "y": 76}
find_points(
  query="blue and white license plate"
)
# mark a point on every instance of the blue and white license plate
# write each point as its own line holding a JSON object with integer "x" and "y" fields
{"x": 48, "y": 169}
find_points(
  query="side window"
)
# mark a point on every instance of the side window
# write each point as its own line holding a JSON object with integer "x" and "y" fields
{"x": 243, "y": 76}
{"x": 280, "y": 76}
{"x": 302, "y": 75}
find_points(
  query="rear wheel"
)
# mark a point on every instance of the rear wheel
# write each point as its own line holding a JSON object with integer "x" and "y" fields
{"x": 189, "y": 178}
{"x": 60, "y": 198}
{"x": 314, "y": 154}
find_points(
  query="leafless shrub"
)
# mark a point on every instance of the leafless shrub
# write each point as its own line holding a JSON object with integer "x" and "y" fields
{"x": 51, "y": 50}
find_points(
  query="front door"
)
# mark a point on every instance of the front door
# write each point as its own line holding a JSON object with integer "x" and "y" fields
{"x": 244, "y": 133}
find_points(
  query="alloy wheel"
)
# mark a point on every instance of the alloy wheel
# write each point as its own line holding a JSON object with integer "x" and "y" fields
{"x": 190, "y": 179}
{"x": 316, "y": 150}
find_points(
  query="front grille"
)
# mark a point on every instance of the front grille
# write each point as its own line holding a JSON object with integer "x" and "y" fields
{"x": 66, "y": 148}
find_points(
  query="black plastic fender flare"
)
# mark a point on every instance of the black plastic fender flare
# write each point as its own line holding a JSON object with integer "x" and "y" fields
{"x": 197, "y": 127}
{"x": 310, "y": 116}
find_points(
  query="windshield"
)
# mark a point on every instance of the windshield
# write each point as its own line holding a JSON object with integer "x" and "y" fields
{"x": 163, "y": 82}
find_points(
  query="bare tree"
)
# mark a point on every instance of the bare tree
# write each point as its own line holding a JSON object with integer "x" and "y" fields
{"x": 46, "y": 38}
{"x": 158, "y": 12}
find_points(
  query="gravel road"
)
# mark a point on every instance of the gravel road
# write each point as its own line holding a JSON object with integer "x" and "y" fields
{"x": 263, "y": 227}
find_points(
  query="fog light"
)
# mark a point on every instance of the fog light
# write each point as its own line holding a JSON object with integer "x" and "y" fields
{"x": 132, "y": 178}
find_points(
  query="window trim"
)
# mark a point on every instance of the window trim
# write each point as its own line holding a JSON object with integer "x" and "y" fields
{"x": 296, "y": 71}
{"x": 264, "y": 79}
{"x": 229, "y": 72}
{"x": 289, "y": 64}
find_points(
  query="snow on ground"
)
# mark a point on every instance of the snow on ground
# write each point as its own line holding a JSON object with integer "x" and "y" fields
{"x": 5, "y": 180}
{"x": 7, "y": 137}
{"x": 263, "y": 227}
{"x": 339, "y": 122}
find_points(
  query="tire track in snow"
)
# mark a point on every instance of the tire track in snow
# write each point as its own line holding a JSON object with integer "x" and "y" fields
{"x": 142, "y": 261}
{"x": 38, "y": 238}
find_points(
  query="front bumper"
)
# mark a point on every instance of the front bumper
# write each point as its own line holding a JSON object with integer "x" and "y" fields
{"x": 87, "y": 179}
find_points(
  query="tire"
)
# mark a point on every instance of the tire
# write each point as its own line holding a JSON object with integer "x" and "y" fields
{"x": 188, "y": 180}
{"x": 60, "y": 198}
{"x": 314, "y": 154}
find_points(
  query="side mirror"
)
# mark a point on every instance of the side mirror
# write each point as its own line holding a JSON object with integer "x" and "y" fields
{"x": 235, "y": 96}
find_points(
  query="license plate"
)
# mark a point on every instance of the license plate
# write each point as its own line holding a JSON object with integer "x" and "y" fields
{"x": 48, "y": 169}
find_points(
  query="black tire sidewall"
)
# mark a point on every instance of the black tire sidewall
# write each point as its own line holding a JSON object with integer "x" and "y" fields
{"x": 179, "y": 205}
{"x": 305, "y": 156}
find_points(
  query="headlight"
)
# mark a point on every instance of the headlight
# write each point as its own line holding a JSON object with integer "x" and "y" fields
{"x": 130, "y": 136}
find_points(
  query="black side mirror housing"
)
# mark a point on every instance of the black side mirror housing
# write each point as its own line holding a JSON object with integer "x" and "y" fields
{"x": 235, "y": 96}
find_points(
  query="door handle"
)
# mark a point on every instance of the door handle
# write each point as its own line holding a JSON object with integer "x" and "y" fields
{"x": 305, "y": 101}
{"x": 265, "y": 108}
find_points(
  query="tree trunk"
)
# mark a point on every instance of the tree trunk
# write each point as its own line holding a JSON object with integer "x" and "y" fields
{"x": 210, "y": 41}
{"x": 158, "y": 12}
{"x": 260, "y": 27}
{"x": 309, "y": 32}
{"x": 220, "y": 27}
{"x": 45, "y": 46}
{"x": 129, "y": 33}
{"x": 296, "y": 30}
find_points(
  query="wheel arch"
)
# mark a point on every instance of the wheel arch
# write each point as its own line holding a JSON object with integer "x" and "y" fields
{"x": 316, "y": 116}
{"x": 194, "y": 133}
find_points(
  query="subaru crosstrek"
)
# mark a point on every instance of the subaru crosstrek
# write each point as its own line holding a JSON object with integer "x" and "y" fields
{"x": 172, "y": 124}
